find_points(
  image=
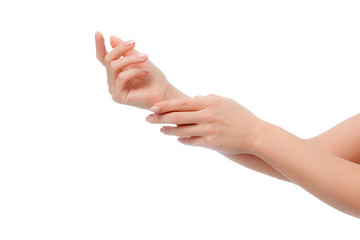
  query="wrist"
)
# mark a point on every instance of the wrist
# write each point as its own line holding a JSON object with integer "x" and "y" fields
{"x": 174, "y": 93}
{"x": 262, "y": 131}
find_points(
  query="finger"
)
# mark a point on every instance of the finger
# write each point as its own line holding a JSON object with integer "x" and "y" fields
{"x": 119, "y": 51}
{"x": 180, "y": 104}
{"x": 178, "y": 118}
{"x": 127, "y": 75}
{"x": 114, "y": 41}
{"x": 182, "y": 130}
{"x": 192, "y": 141}
{"x": 124, "y": 62}
{"x": 100, "y": 47}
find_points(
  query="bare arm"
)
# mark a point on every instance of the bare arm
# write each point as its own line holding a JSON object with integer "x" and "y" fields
{"x": 223, "y": 125}
{"x": 343, "y": 140}
{"x": 257, "y": 164}
{"x": 332, "y": 179}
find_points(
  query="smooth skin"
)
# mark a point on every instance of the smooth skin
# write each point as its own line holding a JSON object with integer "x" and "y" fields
{"x": 327, "y": 165}
{"x": 223, "y": 125}
{"x": 132, "y": 78}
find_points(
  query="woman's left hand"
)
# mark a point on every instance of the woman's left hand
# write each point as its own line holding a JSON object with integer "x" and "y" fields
{"x": 212, "y": 121}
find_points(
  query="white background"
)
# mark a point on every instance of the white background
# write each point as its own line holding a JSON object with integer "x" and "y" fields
{"x": 75, "y": 165}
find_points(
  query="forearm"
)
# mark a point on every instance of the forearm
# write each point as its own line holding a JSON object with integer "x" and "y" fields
{"x": 174, "y": 93}
{"x": 341, "y": 140}
{"x": 328, "y": 177}
{"x": 246, "y": 160}
{"x": 259, "y": 165}
{"x": 254, "y": 163}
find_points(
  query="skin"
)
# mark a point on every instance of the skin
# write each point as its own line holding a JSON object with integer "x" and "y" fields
{"x": 223, "y": 125}
{"x": 310, "y": 163}
{"x": 132, "y": 78}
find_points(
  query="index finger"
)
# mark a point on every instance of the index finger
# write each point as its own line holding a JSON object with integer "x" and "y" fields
{"x": 114, "y": 41}
{"x": 179, "y": 105}
{"x": 100, "y": 47}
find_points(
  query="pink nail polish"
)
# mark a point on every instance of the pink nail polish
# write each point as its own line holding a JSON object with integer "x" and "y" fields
{"x": 150, "y": 119}
{"x": 130, "y": 42}
{"x": 155, "y": 109}
{"x": 142, "y": 55}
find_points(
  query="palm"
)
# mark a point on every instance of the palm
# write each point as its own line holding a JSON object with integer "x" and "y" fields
{"x": 144, "y": 91}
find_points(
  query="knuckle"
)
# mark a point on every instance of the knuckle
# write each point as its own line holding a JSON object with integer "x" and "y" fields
{"x": 209, "y": 118}
{"x": 120, "y": 77}
{"x": 112, "y": 66}
{"x": 212, "y": 142}
{"x": 117, "y": 97}
{"x": 208, "y": 129}
{"x": 164, "y": 106}
{"x": 159, "y": 119}
{"x": 212, "y": 101}
{"x": 208, "y": 140}
{"x": 183, "y": 105}
{"x": 98, "y": 57}
{"x": 107, "y": 59}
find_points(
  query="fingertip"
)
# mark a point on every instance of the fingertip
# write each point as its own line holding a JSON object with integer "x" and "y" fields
{"x": 155, "y": 109}
{"x": 144, "y": 70}
{"x": 114, "y": 41}
{"x": 182, "y": 139}
{"x": 98, "y": 35}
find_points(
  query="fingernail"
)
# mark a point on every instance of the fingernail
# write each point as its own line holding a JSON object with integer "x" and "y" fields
{"x": 155, "y": 109}
{"x": 150, "y": 119}
{"x": 142, "y": 55}
{"x": 130, "y": 42}
{"x": 144, "y": 70}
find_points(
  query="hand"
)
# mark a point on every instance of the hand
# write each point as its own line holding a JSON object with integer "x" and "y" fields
{"x": 132, "y": 78}
{"x": 212, "y": 121}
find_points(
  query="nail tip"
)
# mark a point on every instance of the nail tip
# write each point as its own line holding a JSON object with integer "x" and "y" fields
{"x": 144, "y": 70}
{"x": 149, "y": 119}
{"x": 155, "y": 109}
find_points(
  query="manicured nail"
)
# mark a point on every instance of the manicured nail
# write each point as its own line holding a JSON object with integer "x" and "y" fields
{"x": 130, "y": 42}
{"x": 142, "y": 55}
{"x": 155, "y": 109}
{"x": 144, "y": 70}
{"x": 150, "y": 119}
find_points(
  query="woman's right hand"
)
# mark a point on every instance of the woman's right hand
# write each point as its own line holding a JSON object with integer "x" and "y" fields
{"x": 132, "y": 78}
